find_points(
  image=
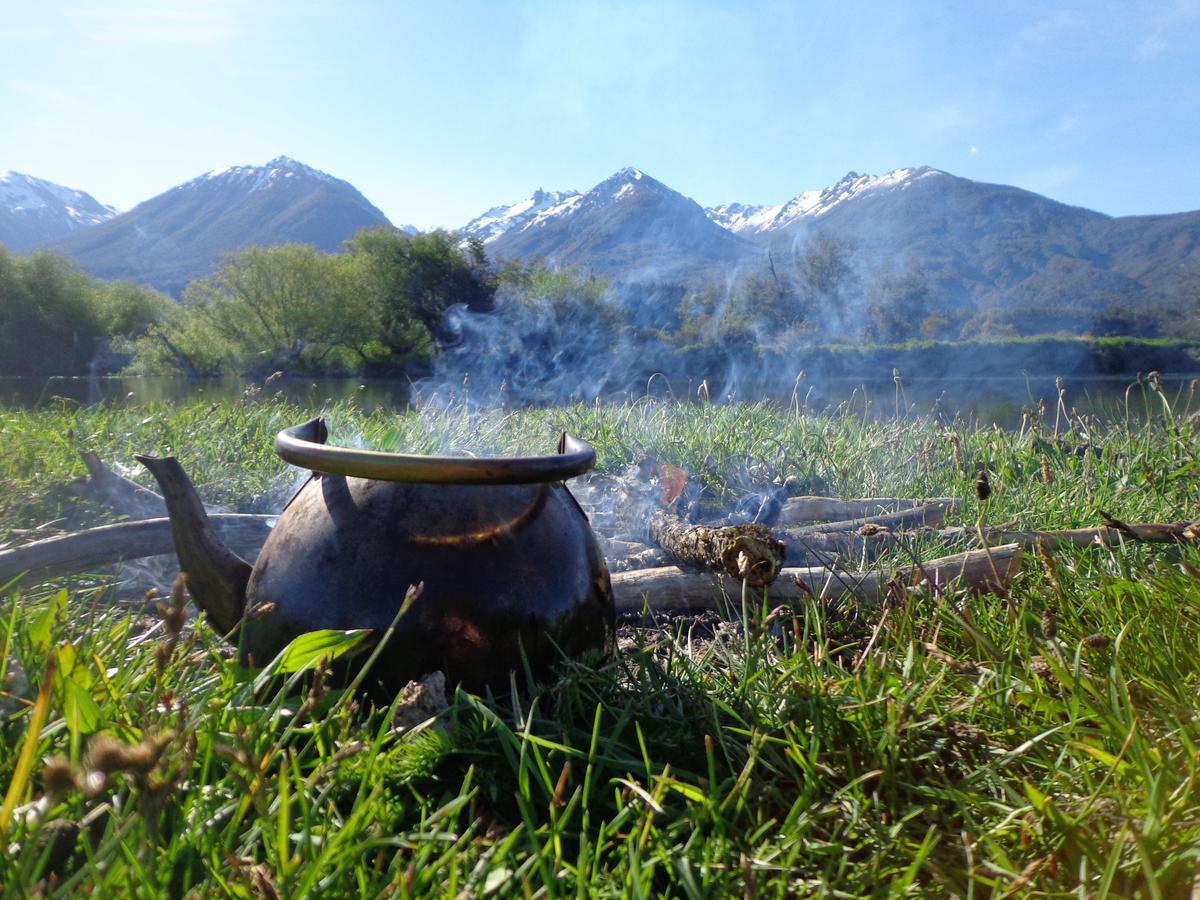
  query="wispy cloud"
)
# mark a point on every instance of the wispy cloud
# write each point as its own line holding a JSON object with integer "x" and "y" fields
{"x": 1050, "y": 179}
{"x": 1054, "y": 28}
{"x": 1164, "y": 26}
{"x": 43, "y": 94}
{"x": 947, "y": 118}
{"x": 155, "y": 22}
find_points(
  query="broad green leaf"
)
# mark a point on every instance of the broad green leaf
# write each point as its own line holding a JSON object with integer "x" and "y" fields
{"x": 42, "y": 630}
{"x": 309, "y": 649}
{"x": 80, "y": 712}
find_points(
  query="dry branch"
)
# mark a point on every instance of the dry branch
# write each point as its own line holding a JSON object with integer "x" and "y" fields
{"x": 88, "y": 550}
{"x": 800, "y": 510}
{"x": 816, "y": 548}
{"x": 1170, "y": 533}
{"x": 669, "y": 587}
{"x": 927, "y": 515}
{"x": 125, "y": 497}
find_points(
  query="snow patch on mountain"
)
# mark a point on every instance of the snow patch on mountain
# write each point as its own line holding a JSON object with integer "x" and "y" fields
{"x": 745, "y": 219}
{"x": 499, "y": 219}
{"x": 545, "y": 207}
{"x": 24, "y": 194}
{"x": 257, "y": 178}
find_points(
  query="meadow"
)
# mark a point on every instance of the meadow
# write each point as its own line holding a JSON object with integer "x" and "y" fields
{"x": 1046, "y": 743}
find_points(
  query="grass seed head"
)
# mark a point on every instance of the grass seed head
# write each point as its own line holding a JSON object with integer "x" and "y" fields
{"x": 956, "y": 449}
{"x": 1041, "y": 668}
{"x": 983, "y": 487}
{"x": 1049, "y": 625}
{"x": 58, "y": 777}
{"x": 174, "y": 611}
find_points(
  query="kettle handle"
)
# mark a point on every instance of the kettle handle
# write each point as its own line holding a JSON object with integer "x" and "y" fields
{"x": 304, "y": 446}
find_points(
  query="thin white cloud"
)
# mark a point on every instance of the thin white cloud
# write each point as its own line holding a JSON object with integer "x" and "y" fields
{"x": 1050, "y": 179}
{"x": 43, "y": 94}
{"x": 161, "y": 34}
{"x": 947, "y": 118}
{"x": 1166, "y": 25}
{"x": 155, "y": 21}
{"x": 1054, "y": 27}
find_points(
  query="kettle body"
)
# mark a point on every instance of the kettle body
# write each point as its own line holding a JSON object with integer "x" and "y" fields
{"x": 511, "y": 575}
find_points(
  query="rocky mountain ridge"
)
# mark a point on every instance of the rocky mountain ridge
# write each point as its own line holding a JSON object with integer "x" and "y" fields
{"x": 967, "y": 250}
{"x": 34, "y": 211}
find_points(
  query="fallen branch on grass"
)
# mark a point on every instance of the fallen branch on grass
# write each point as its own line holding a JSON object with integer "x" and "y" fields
{"x": 1171, "y": 533}
{"x": 804, "y": 548}
{"x": 127, "y": 498}
{"x": 926, "y": 515}
{"x": 669, "y": 587}
{"x": 802, "y": 510}
{"x": 93, "y": 548}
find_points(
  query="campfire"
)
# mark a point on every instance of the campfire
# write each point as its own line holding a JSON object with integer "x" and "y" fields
{"x": 666, "y": 544}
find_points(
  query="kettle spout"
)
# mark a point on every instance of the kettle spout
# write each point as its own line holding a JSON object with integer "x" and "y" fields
{"x": 216, "y": 576}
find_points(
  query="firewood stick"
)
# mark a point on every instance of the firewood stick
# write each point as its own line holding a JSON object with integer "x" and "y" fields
{"x": 127, "y": 498}
{"x": 801, "y": 510}
{"x": 670, "y": 587}
{"x": 1168, "y": 533}
{"x": 927, "y": 515}
{"x": 804, "y": 548}
{"x": 87, "y": 550}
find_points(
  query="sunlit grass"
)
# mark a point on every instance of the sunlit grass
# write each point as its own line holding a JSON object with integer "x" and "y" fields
{"x": 942, "y": 745}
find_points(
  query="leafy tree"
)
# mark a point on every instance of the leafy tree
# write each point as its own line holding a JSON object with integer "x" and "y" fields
{"x": 46, "y": 321}
{"x": 899, "y": 308}
{"x": 829, "y": 285}
{"x": 414, "y": 280}
{"x": 285, "y": 307}
{"x": 125, "y": 309}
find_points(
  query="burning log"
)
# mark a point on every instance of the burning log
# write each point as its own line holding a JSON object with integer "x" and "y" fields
{"x": 128, "y": 498}
{"x": 747, "y": 552}
{"x": 670, "y": 587}
{"x": 756, "y": 549}
{"x": 83, "y": 551}
{"x": 801, "y": 510}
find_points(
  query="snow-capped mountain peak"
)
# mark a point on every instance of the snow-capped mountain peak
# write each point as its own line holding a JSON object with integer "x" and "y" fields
{"x": 742, "y": 219}
{"x": 255, "y": 178}
{"x": 33, "y": 211}
{"x": 545, "y": 207}
{"x": 24, "y": 193}
{"x": 499, "y": 219}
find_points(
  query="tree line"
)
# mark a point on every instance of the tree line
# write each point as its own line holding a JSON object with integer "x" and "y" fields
{"x": 381, "y": 307}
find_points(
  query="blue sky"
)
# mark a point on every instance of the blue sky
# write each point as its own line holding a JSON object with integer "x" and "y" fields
{"x": 439, "y": 110}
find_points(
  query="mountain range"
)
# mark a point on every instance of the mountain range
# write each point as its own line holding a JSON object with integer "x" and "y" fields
{"x": 179, "y": 235}
{"x": 974, "y": 246}
{"x": 34, "y": 212}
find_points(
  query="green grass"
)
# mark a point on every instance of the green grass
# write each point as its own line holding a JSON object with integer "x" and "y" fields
{"x": 942, "y": 746}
